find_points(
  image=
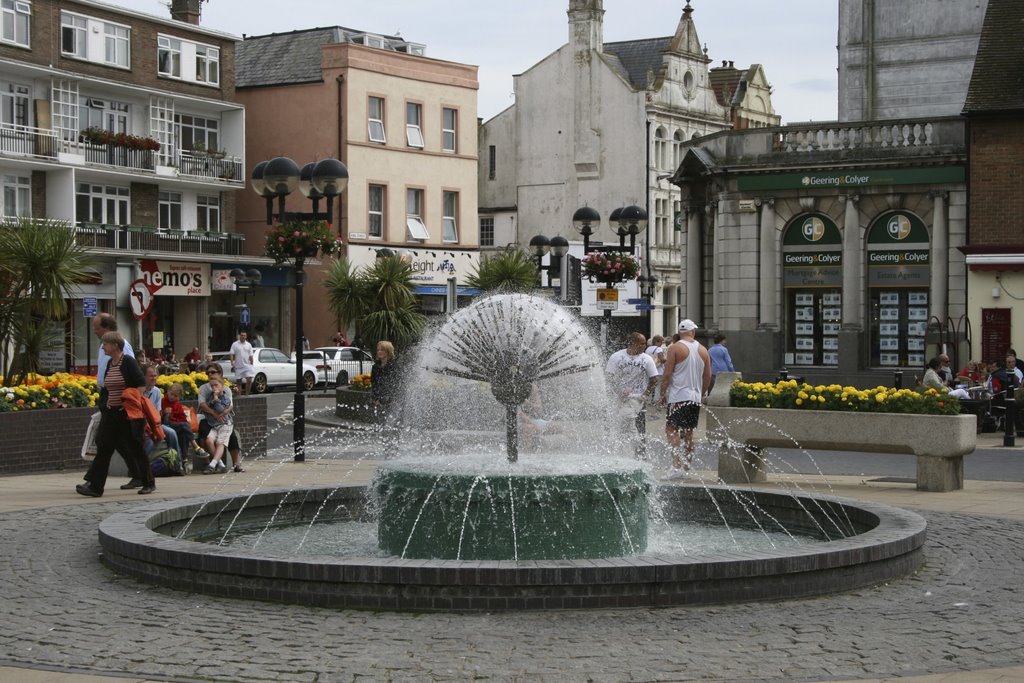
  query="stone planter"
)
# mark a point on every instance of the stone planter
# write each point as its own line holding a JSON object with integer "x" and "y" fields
{"x": 354, "y": 404}
{"x": 939, "y": 442}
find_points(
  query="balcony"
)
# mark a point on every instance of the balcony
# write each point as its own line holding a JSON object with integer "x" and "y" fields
{"x": 130, "y": 238}
{"x": 41, "y": 143}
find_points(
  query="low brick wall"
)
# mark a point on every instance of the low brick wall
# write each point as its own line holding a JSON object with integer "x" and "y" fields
{"x": 51, "y": 440}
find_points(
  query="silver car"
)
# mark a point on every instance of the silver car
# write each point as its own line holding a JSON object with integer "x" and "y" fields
{"x": 273, "y": 369}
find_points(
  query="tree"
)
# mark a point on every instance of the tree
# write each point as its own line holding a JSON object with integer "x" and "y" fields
{"x": 379, "y": 299}
{"x": 41, "y": 267}
{"x": 510, "y": 270}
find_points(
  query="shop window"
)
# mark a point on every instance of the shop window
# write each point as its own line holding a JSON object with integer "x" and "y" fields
{"x": 899, "y": 275}
{"x": 812, "y": 277}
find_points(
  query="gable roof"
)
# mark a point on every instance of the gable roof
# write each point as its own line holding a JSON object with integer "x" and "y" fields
{"x": 997, "y": 83}
{"x": 634, "y": 59}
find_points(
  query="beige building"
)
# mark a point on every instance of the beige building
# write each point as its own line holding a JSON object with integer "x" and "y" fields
{"x": 405, "y": 126}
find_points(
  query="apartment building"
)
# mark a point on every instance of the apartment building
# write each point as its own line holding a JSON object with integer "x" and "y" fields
{"x": 405, "y": 126}
{"x": 124, "y": 125}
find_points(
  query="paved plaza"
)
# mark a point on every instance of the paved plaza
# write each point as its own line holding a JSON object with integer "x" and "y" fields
{"x": 65, "y": 617}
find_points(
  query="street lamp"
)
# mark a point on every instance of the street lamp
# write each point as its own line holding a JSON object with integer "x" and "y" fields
{"x": 582, "y": 219}
{"x": 539, "y": 245}
{"x": 324, "y": 179}
{"x": 632, "y": 221}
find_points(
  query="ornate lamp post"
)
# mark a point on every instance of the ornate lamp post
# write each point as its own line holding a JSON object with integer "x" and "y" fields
{"x": 539, "y": 245}
{"x": 325, "y": 179}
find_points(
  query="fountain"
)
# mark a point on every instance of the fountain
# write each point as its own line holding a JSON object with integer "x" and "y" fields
{"x": 458, "y": 527}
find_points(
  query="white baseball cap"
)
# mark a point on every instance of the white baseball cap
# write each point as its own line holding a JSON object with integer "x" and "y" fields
{"x": 687, "y": 325}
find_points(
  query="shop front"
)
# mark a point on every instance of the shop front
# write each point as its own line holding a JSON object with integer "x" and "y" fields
{"x": 431, "y": 272}
{"x": 812, "y": 280}
{"x": 251, "y": 303}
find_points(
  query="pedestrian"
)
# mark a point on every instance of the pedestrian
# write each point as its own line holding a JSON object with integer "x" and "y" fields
{"x": 721, "y": 361}
{"x": 257, "y": 338}
{"x": 384, "y": 388}
{"x": 101, "y": 324}
{"x": 656, "y": 350}
{"x": 340, "y": 339}
{"x": 242, "y": 357}
{"x": 686, "y": 383}
{"x": 116, "y": 430}
{"x": 632, "y": 376}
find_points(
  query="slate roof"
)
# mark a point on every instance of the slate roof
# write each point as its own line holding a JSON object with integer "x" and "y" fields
{"x": 286, "y": 58}
{"x": 997, "y": 84}
{"x": 633, "y": 58}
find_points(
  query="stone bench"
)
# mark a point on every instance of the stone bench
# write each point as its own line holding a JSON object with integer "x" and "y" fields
{"x": 939, "y": 442}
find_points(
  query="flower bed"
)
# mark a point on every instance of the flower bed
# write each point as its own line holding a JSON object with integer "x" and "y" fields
{"x": 789, "y": 394}
{"x": 66, "y": 390}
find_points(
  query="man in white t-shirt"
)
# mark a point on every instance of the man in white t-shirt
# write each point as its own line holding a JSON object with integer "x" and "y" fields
{"x": 632, "y": 376}
{"x": 241, "y": 363}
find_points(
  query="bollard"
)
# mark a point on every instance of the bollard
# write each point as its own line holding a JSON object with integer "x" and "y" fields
{"x": 783, "y": 375}
{"x": 898, "y": 379}
{"x": 1010, "y": 425}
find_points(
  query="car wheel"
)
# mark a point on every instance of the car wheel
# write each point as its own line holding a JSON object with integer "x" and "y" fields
{"x": 308, "y": 381}
{"x": 259, "y": 384}
{"x": 342, "y": 377}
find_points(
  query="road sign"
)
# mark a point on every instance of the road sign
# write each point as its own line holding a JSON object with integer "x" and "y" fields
{"x": 645, "y": 307}
{"x": 140, "y": 299}
{"x": 89, "y": 307}
{"x": 607, "y": 305}
{"x": 634, "y": 302}
{"x": 607, "y": 294}
{"x": 243, "y": 315}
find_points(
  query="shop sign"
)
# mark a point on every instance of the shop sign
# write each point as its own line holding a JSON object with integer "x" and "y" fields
{"x": 813, "y": 276}
{"x": 429, "y": 266}
{"x": 899, "y": 276}
{"x": 174, "y": 278}
{"x": 840, "y": 179}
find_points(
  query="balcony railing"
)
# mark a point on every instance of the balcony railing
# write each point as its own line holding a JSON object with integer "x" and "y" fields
{"x": 114, "y": 155}
{"x": 209, "y": 166}
{"x": 130, "y": 238}
{"x": 28, "y": 141}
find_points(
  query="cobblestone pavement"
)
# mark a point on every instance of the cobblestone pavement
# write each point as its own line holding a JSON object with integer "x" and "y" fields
{"x": 61, "y": 608}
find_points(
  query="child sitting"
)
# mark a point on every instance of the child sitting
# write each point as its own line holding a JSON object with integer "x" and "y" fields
{"x": 173, "y": 416}
{"x": 221, "y": 425}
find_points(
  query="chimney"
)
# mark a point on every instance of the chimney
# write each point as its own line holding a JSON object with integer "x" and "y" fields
{"x": 186, "y": 10}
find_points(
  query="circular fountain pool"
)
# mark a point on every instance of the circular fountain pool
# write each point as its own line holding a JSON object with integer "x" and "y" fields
{"x": 885, "y": 543}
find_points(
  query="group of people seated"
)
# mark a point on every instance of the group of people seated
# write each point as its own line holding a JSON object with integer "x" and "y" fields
{"x": 975, "y": 377}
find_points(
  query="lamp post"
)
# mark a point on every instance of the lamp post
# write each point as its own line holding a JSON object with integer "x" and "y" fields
{"x": 539, "y": 245}
{"x": 556, "y": 247}
{"x": 324, "y": 179}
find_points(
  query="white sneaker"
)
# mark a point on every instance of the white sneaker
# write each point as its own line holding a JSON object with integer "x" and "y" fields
{"x": 221, "y": 467}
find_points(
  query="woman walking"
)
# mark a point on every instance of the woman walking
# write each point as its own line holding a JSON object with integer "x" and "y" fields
{"x": 116, "y": 430}
{"x": 384, "y": 386}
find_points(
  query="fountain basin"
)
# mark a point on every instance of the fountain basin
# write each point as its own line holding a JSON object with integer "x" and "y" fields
{"x": 428, "y": 512}
{"x": 140, "y": 543}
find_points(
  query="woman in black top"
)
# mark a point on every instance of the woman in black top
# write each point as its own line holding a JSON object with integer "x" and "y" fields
{"x": 384, "y": 388}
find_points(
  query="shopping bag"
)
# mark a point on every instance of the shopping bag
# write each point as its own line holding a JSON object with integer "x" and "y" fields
{"x": 89, "y": 446}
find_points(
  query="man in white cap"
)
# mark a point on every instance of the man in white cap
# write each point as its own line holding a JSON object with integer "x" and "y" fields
{"x": 686, "y": 383}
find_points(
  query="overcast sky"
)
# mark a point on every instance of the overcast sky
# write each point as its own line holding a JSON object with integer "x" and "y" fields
{"x": 795, "y": 40}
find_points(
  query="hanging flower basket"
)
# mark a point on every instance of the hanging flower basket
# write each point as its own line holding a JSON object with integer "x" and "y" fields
{"x": 610, "y": 268}
{"x": 306, "y": 239}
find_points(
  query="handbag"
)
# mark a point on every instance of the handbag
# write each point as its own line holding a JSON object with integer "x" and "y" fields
{"x": 89, "y": 445}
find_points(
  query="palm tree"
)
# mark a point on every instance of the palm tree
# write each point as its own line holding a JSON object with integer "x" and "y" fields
{"x": 41, "y": 266}
{"x": 510, "y": 270}
{"x": 379, "y": 299}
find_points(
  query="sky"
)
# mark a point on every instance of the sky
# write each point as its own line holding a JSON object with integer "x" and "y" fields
{"x": 794, "y": 40}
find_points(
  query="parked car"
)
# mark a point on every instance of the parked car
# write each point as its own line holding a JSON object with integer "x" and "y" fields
{"x": 344, "y": 362}
{"x": 274, "y": 369}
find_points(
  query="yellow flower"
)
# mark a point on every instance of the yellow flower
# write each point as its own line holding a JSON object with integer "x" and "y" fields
{"x": 799, "y": 401}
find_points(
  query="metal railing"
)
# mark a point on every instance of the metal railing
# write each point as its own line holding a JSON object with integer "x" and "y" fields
{"x": 130, "y": 238}
{"x": 209, "y": 166}
{"x": 28, "y": 141}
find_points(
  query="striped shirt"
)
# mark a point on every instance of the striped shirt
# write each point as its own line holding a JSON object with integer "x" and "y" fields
{"x": 115, "y": 385}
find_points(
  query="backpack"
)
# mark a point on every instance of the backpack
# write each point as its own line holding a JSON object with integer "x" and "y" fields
{"x": 164, "y": 461}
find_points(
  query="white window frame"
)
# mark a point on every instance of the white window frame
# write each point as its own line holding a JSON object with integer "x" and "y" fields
{"x": 112, "y": 201}
{"x": 64, "y": 105}
{"x": 16, "y": 22}
{"x": 414, "y": 215}
{"x": 117, "y": 44}
{"x": 375, "y": 125}
{"x": 375, "y": 212}
{"x": 75, "y": 28}
{"x": 486, "y": 231}
{"x": 17, "y": 196}
{"x": 449, "y": 217}
{"x": 414, "y": 124}
{"x": 106, "y": 114}
{"x": 15, "y": 103}
{"x": 172, "y": 48}
{"x": 170, "y": 211}
{"x": 208, "y": 213}
{"x": 192, "y": 128}
{"x": 207, "y": 64}
{"x": 449, "y": 132}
